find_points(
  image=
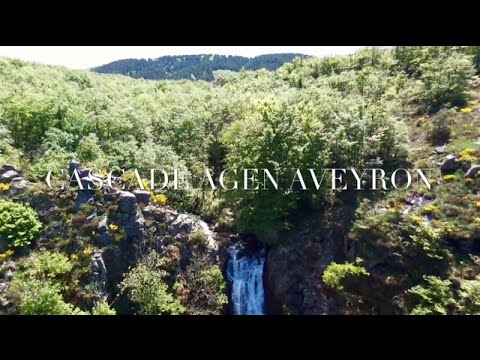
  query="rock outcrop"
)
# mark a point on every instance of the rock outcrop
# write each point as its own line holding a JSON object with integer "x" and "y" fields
{"x": 13, "y": 179}
{"x": 450, "y": 164}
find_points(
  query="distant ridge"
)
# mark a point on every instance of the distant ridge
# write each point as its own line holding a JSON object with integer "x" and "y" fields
{"x": 199, "y": 67}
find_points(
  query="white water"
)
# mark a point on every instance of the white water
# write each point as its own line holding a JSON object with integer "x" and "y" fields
{"x": 245, "y": 273}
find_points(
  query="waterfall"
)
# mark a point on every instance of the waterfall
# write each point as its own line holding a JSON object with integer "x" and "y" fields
{"x": 245, "y": 273}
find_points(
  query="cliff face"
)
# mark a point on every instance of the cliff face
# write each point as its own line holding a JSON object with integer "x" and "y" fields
{"x": 294, "y": 268}
{"x": 106, "y": 233}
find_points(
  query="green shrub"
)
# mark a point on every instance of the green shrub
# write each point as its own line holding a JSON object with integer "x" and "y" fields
{"x": 102, "y": 308}
{"x": 470, "y": 296}
{"x": 436, "y": 297}
{"x": 19, "y": 224}
{"x": 199, "y": 238}
{"x": 446, "y": 79}
{"x": 335, "y": 274}
{"x": 49, "y": 264}
{"x": 145, "y": 285}
{"x": 43, "y": 297}
{"x": 438, "y": 129}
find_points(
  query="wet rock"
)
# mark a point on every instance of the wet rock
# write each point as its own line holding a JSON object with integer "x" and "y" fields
{"x": 143, "y": 196}
{"x": 473, "y": 171}
{"x": 450, "y": 164}
{"x": 127, "y": 202}
{"x": 8, "y": 176}
{"x": 98, "y": 271}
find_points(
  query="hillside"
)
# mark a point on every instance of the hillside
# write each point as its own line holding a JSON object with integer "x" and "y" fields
{"x": 287, "y": 251}
{"x": 196, "y": 67}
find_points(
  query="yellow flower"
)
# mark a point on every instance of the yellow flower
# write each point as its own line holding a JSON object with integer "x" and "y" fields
{"x": 469, "y": 181}
{"x": 159, "y": 199}
{"x": 113, "y": 227}
{"x": 74, "y": 257}
{"x": 416, "y": 219}
{"x": 4, "y": 187}
{"x": 449, "y": 178}
{"x": 429, "y": 209}
{"x": 466, "y": 110}
{"x": 477, "y": 220}
{"x": 87, "y": 251}
{"x": 421, "y": 191}
{"x": 6, "y": 255}
{"x": 477, "y": 204}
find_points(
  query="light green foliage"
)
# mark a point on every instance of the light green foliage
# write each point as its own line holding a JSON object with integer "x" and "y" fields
{"x": 18, "y": 224}
{"x": 335, "y": 274}
{"x": 446, "y": 79}
{"x": 436, "y": 297}
{"x": 102, "y": 308}
{"x": 145, "y": 284}
{"x": 49, "y": 264}
{"x": 44, "y": 297}
{"x": 198, "y": 238}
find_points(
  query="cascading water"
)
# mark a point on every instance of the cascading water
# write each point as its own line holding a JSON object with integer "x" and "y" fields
{"x": 245, "y": 273}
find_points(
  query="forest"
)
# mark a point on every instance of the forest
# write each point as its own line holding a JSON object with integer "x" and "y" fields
{"x": 193, "y": 67}
{"x": 331, "y": 251}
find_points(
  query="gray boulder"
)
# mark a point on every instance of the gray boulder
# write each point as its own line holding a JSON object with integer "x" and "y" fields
{"x": 143, "y": 196}
{"x": 7, "y": 167}
{"x": 440, "y": 149}
{"x": 17, "y": 187}
{"x": 473, "y": 171}
{"x": 182, "y": 224}
{"x": 450, "y": 164}
{"x": 127, "y": 202}
{"x": 102, "y": 226}
{"x": 8, "y": 176}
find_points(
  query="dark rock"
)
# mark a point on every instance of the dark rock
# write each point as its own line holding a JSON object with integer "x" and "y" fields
{"x": 102, "y": 226}
{"x": 147, "y": 211}
{"x": 84, "y": 172}
{"x": 72, "y": 166}
{"x": 8, "y": 176}
{"x": 181, "y": 224}
{"x": 17, "y": 187}
{"x": 450, "y": 164}
{"x": 473, "y": 171}
{"x": 143, "y": 196}
{"x": 127, "y": 202}
{"x": 440, "y": 149}
{"x": 87, "y": 183}
{"x": 98, "y": 270}
{"x": 7, "y": 167}
{"x": 109, "y": 197}
{"x": 105, "y": 239}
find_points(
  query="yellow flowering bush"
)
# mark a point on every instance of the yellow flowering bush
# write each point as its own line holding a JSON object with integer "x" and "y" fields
{"x": 4, "y": 187}
{"x": 466, "y": 110}
{"x": 469, "y": 181}
{"x": 429, "y": 209}
{"x": 421, "y": 120}
{"x": 74, "y": 257}
{"x": 159, "y": 199}
{"x": 449, "y": 178}
{"x": 421, "y": 191}
{"x": 6, "y": 255}
{"x": 87, "y": 251}
{"x": 415, "y": 219}
{"x": 113, "y": 227}
{"x": 477, "y": 220}
{"x": 477, "y": 204}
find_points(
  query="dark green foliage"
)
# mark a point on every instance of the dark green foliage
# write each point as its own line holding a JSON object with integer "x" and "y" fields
{"x": 196, "y": 67}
